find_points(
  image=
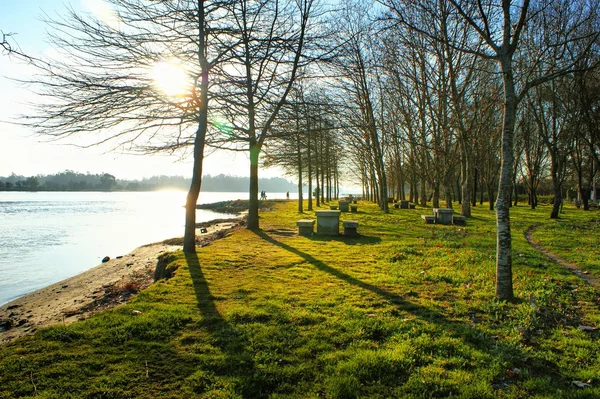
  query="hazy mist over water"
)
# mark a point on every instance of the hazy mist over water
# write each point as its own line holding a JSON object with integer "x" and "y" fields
{"x": 46, "y": 237}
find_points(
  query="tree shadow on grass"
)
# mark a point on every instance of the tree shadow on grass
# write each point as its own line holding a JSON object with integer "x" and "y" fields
{"x": 475, "y": 337}
{"x": 390, "y": 296}
{"x": 239, "y": 361}
{"x": 359, "y": 239}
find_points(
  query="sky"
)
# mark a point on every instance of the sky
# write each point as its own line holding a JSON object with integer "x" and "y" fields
{"x": 24, "y": 153}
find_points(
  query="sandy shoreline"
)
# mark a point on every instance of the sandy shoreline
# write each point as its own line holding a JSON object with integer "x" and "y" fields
{"x": 104, "y": 286}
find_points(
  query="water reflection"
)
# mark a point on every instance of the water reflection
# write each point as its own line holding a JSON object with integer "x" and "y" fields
{"x": 46, "y": 237}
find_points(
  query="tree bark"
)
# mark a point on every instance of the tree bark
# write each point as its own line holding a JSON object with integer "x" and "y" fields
{"x": 299, "y": 167}
{"x": 423, "y": 192}
{"x": 310, "y": 201}
{"x": 436, "y": 195}
{"x": 504, "y": 285}
{"x": 189, "y": 235}
{"x": 253, "y": 223}
{"x": 475, "y": 179}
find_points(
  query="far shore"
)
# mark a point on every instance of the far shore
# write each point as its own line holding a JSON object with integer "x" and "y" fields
{"x": 105, "y": 286}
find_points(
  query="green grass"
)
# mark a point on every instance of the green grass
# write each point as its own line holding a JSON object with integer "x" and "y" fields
{"x": 575, "y": 237}
{"x": 405, "y": 310}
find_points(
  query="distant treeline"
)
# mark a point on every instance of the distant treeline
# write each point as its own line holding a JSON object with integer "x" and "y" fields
{"x": 74, "y": 181}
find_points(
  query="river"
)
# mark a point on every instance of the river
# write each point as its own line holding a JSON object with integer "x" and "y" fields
{"x": 46, "y": 237}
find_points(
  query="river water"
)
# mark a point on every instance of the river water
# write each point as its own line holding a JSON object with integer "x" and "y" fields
{"x": 46, "y": 237}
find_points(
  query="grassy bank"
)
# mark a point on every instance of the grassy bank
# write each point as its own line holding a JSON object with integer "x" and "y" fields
{"x": 405, "y": 310}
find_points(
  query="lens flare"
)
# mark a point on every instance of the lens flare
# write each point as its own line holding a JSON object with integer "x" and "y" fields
{"x": 170, "y": 78}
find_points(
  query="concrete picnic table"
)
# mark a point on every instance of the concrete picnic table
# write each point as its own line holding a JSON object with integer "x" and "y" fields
{"x": 328, "y": 222}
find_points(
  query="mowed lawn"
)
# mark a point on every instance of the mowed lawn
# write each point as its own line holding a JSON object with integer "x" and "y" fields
{"x": 404, "y": 310}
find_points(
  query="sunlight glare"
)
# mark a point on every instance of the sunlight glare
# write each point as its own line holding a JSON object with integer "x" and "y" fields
{"x": 103, "y": 12}
{"x": 170, "y": 78}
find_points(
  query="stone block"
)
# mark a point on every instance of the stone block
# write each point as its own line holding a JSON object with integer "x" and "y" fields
{"x": 350, "y": 227}
{"x": 343, "y": 205}
{"x": 328, "y": 222}
{"x": 305, "y": 227}
{"x": 443, "y": 215}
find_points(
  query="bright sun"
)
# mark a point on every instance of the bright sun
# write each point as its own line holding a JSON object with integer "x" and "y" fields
{"x": 170, "y": 78}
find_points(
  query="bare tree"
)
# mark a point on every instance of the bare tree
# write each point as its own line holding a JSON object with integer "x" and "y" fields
{"x": 270, "y": 48}
{"x": 534, "y": 152}
{"x": 359, "y": 88}
{"x": 10, "y": 47}
{"x": 499, "y": 25}
{"x": 138, "y": 79}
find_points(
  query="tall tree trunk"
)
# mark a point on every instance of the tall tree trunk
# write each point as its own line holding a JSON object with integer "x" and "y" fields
{"x": 481, "y": 191}
{"x": 475, "y": 179}
{"x": 310, "y": 202}
{"x": 401, "y": 183}
{"x": 490, "y": 190}
{"x": 423, "y": 192}
{"x": 532, "y": 194}
{"x": 504, "y": 285}
{"x": 299, "y": 167}
{"x": 584, "y": 192}
{"x": 322, "y": 191}
{"x": 317, "y": 175}
{"x": 436, "y": 195}
{"x": 557, "y": 188}
{"x": 253, "y": 202}
{"x": 328, "y": 173}
{"x": 189, "y": 236}
{"x": 448, "y": 195}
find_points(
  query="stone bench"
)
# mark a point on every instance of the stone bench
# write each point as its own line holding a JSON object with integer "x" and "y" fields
{"x": 305, "y": 227}
{"x": 350, "y": 227}
{"x": 328, "y": 222}
{"x": 412, "y": 206}
{"x": 353, "y": 208}
{"x": 403, "y": 204}
{"x": 428, "y": 219}
{"x": 343, "y": 205}
{"x": 459, "y": 220}
{"x": 333, "y": 207}
{"x": 443, "y": 215}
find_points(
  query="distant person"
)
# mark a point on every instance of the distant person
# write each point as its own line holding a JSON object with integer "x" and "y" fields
{"x": 287, "y": 195}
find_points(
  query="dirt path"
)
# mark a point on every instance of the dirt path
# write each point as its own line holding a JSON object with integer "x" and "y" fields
{"x": 573, "y": 268}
